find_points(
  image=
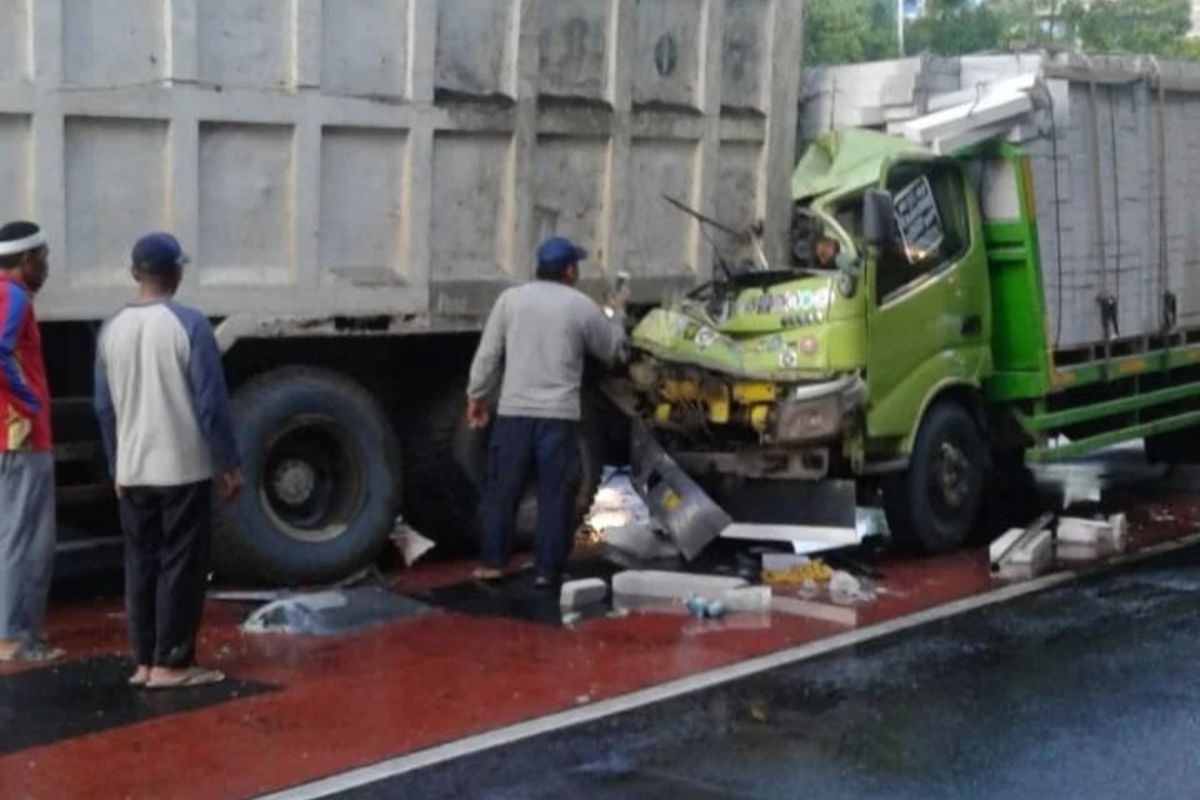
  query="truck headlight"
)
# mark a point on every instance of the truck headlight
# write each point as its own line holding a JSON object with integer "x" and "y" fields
{"x": 815, "y": 413}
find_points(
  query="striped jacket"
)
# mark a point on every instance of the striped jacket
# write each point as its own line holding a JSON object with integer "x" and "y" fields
{"x": 24, "y": 391}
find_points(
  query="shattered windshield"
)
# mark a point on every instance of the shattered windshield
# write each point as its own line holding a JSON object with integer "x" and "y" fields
{"x": 821, "y": 244}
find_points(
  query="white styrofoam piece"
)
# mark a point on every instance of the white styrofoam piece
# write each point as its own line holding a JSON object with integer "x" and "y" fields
{"x": 749, "y": 599}
{"x": 582, "y": 593}
{"x": 1075, "y": 530}
{"x": 782, "y": 562}
{"x": 658, "y": 584}
{"x": 802, "y": 538}
{"x": 1029, "y": 560}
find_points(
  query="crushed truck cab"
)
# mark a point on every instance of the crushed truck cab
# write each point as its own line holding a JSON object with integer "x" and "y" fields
{"x": 826, "y": 370}
{"x": 920, "y": 362}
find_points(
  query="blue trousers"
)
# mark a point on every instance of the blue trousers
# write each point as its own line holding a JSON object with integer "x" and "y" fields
{"x": 26, "y": 542}
{"x": 545, "y": 451}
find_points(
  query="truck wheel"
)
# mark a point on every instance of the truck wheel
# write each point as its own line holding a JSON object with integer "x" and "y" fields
{"x": 933, "y": 505}
{"x": 444, "y": 487}
{"x": 321, "y": 466}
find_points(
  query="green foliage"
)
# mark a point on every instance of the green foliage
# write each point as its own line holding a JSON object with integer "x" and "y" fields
{"x": 1142, "y": 26}
{"x": 849, "y": 31}
{"x": 955, "y": 27}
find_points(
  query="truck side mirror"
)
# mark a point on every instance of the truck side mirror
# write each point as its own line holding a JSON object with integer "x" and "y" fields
{"x": 879, "y": 218}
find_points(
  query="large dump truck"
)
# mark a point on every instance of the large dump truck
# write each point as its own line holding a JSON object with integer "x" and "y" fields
{"x": 356, "y": 181}
{"x": 1030, "y": 297}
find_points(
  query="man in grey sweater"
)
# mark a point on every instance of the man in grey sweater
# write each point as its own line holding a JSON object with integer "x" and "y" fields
{"x": 537, "y": 338}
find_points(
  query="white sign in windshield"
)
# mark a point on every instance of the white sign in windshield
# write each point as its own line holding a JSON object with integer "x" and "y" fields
{"x": 918, "y": 219}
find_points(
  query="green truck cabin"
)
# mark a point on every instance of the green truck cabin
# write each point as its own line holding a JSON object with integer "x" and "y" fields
{"x": 921, "y": 361}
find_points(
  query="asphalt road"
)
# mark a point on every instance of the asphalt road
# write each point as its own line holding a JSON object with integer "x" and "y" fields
{"x": 1088, "y": 691}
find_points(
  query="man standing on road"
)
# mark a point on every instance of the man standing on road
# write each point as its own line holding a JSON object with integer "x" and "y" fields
{"x": 166, "y": 423}
{"x": 26, "y": 460}
{"x": 537, "y": 337}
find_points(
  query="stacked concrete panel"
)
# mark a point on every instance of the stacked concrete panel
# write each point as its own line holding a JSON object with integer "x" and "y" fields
{"x": 1104, "y": 185}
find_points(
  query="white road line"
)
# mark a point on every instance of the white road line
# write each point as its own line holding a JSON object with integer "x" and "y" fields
{"x": 693, "y": 683}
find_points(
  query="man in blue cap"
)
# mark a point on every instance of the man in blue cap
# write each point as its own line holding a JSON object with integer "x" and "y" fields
{"x": 165, "y": 420}
{"x": 534, "y": 346}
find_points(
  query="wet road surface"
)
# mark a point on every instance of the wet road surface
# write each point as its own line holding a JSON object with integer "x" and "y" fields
{"x": 1088, "y": 691}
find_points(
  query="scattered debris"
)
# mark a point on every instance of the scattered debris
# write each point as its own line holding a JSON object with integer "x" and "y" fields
{"x": 571, "y": 617}
{"x": 800, "y": 573}
{"x": 1088, "y": 539}
{"x": 845, "y": 589}
{"x": 633, "y": 587}
{"x": 1023, "y": 553}
{"x": 1075, "y": 493}
{"x": 783, "y": 562}
{"x": 582, "y": 593}
{"x": 412, "y": 545}
{"x": 705, "y": 609}
{"x": 331, "y": 612}
{"x": 641, "y": 541}
{"x": 749, "y": 599}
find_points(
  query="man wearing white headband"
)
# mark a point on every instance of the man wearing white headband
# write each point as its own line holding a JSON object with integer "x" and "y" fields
{"x": 26, "y": 461}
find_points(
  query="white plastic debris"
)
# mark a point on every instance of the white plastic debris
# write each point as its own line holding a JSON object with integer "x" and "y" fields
{"x": 412, "y": 545}
{"x": 582, "y": 593}
{"x": 296, "y": 614}
{"x": 845, "y": 589}
{"x": 641, "y": 541}
{"x": 748, "y": 599}
{"x": 1089, "y": 539}
{"x": 632, "y": 586}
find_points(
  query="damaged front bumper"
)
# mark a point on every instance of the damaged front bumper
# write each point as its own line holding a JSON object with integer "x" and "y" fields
{"x": 816, "y": 412}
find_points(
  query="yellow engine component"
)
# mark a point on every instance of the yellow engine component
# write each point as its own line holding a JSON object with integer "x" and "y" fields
{"x": 816, "y": 571}
{"x": 759, "y": 417}
{"x": 749, "y": 393}
{"x": 662, "y": 414}
{"x": 713, "y": 397}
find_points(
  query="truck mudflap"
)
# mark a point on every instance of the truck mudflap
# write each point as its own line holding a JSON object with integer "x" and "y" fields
{"x": 758, "y": 511}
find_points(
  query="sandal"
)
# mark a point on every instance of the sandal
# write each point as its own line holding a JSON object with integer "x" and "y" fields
{"x": 192, "y": 678}
{"x": 33, "y": 653}
{"x": 489, "y": 574}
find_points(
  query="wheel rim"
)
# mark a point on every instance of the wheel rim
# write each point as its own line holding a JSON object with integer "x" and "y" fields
{"x": 313, "y": 483}
{"x": 950, "y": 479}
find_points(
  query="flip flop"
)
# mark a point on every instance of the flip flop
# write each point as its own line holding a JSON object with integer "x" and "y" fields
{"x": 489, "y": 574}
{"x": 194, "y": 677}
{"x": 33, "y": 653}
{"x": 134, "y": 680}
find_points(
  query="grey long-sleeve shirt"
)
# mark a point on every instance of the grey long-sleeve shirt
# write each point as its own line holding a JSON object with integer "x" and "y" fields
{"x": 537, "y": 336}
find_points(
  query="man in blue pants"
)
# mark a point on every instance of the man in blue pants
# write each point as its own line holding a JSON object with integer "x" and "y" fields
{"x": 534, "y": 346}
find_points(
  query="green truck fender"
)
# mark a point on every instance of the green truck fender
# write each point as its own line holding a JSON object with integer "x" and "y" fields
{"x": 898, "y": 415}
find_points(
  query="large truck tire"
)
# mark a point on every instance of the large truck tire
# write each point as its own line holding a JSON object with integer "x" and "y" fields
{"x": 322, "y": 480}
{"x": 933, "y": 506}
{"x": 447, "y": 464}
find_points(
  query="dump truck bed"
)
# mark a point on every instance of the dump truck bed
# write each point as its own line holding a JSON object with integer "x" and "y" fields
{"x": 400, "y": 158}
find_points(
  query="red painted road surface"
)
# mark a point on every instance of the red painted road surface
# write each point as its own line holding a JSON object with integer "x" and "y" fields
{"x": 347, "y": 702}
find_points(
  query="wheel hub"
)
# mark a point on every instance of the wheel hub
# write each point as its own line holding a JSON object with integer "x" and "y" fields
{"x": 294, "y": 481}
{"x": 953, "y": 475}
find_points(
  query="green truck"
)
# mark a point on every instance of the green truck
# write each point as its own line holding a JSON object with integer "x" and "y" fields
{"x": 920, "y": 363}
